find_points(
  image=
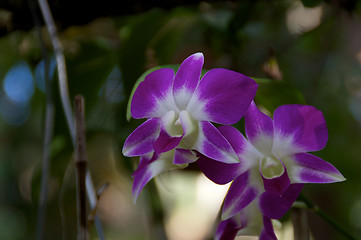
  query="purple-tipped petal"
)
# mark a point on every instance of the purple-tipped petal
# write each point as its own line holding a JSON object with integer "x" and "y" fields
{"x": 267, "y": 232}
{"x": 141, "y": 140}
{"x": 222, "y": 96}
{"x": 218, "y": 172}
{"x": 153, "y": 97}
{"x": 213, "y": 144}
{"x": 275, "y": 206}
{"x": 240, "y": 194}
{"x": 304, "y": 124}
{"x": 259, "y": 129}
{"x": 148, "y": 169}
{"x": 184, "y": 156}
{"x": 186, "y": 79}
{"x": 308, "y": 168}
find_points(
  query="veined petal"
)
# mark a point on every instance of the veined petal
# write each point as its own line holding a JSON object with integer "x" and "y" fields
{"x": 240, "y": 194}
{"x": 141, "y": 140}
{"x": 218, "y": 172}
{"x": 307, "y": 168}
{"x": 222, "y": 96}
{"x": 153, "y": 97}
{"x": 274, "y": 206}
{"x": 213, "y": 144}
{"x": 184, "y": 156}
{"x": 148, "y": 170}
{"x": 186, "y": 79}
{"x": 303, "y": 125}
{"x": 259, "y": 129}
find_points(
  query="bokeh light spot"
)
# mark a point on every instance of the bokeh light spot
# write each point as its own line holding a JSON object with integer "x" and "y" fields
{"x": 18, "y": 83}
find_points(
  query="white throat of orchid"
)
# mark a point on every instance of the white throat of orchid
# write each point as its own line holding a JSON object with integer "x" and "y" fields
{"x": 271, "y": 167}
{"x": 178, "y": 124}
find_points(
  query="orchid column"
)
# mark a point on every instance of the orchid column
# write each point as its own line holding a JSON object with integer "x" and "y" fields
{"x": 179, "y": 111}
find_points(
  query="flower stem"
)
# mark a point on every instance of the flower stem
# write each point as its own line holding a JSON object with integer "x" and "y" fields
{"x": 314, "y": 208}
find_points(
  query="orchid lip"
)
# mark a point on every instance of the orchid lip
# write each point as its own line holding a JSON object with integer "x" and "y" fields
{"x": 271, "y": 167}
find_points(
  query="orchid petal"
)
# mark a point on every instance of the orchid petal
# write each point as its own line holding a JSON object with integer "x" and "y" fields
{"x": 141, "y": 140}
{"x": 240, "y": 194}
{"x": 170, "y": 133}
{"x": 213, "y": 144}
{"x": 222, "y": 96}
{"x": 267, "y": 230}
{"x": 277, "y": 185}
{"x": 186, "y": 79}
{"x": 308, "y": 168}
{"x": 165, "y": 142}
{"x": 259, "y": 129}
{"x": 153, "y": 97}
{"x": 218, "y": 172}
{"x": 228, "y": 229}
{"x": 304, "y": 126}
{"x": 148, "y": 170}
{"x": 274, "y": 206}
{"x": 274, "y": 175}
{"x": 184, "y": 156}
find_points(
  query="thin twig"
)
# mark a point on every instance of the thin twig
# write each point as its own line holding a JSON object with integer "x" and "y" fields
{"x": 81, "y": 162}
{"x": 314, "y": 208}
{"x": 60, "y": 60}
{"x": 48, "y": 130}
{"x": 64, "y": 94}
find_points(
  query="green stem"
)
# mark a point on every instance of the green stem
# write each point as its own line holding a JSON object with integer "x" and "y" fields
{"x": 314, "y": 208}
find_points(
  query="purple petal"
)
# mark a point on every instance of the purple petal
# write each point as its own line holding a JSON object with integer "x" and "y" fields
{"x": 218, "y": 172}
{"x": 141, "y": 140}
{"x": 148, "y": 169}
{"x": 183, "y": 156}
{"x": 267, "y": 230}
{"x": 153, "y": 97}
{"x": 311, "y": 169}
{"x": 259, "y": 129}
{"x": 277, "y": 185}
{"x": 213, "y": 144}
{"x": 275, "y": 206}
{"x": 304, "y": 124}
{"x": 165, "y": 142}
{"x": 238, "y": 142}
{"x": 228, "y": 229}
{"x": 240, "y": 194}
{"x": 186, "y": 79}
{"x": 222, "y": 96}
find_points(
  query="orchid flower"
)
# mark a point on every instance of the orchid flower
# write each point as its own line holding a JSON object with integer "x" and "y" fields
{"x": 251, "y": 221}
{"x": 179, "y": 111}
{"x": 273, "y": 159}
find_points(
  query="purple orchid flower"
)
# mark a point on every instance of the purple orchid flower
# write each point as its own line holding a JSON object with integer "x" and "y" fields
{"x": 180, "y": 110}
{"x": 273, "y": 160}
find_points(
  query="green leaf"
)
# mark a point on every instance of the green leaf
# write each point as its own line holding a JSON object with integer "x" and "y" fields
{"x": 272, "y": 94}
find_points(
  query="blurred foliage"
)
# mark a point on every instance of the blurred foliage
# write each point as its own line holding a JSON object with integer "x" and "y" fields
{"x": 305, "y": 52}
